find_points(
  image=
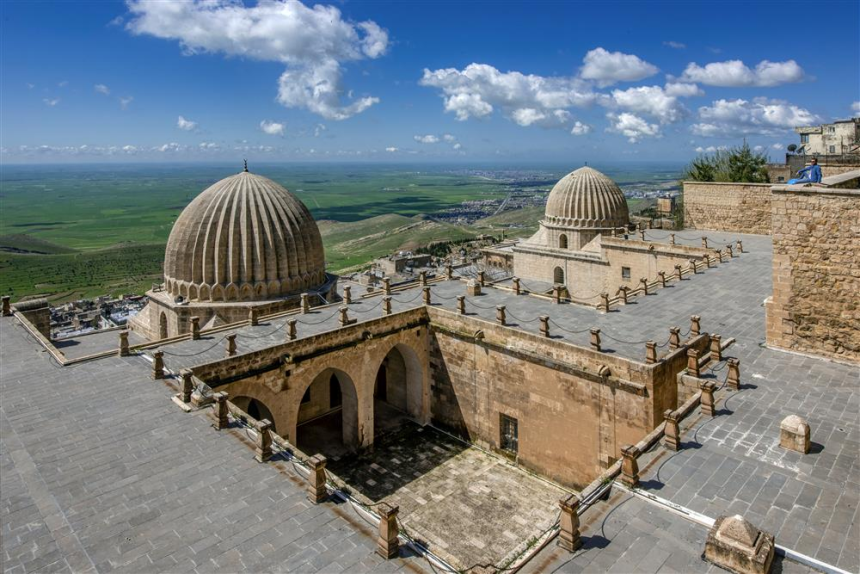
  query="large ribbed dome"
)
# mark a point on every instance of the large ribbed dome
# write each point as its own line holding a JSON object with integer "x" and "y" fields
{"x": 586, "y": 199}
{"x": 245, "y": 238}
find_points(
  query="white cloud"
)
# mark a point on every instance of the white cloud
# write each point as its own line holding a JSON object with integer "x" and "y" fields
{"x": 124, "y": 102}
{"x": 580, "y": 129}
{"x": 170, "y": 147}
{"x": 457, "y": 146}
{"x": 650, "y": 100}
{"x": 762, "y": 116}
{"x": 449, "y": 138}
{"x": 312, "y": 42}
{"x": 711, "y": 149}
{"x": 319, "y": 129}
{"x": 428, "y": 139}
{"x": 778, "y": 146}
{"x": 855, "y": 107}
{"x": 675, "y": 45}
{"x": 758, "y": 148}
{"x": 683, "y": 90}
{"x": 102, "y": 89}
{"x": 734, "y": 74}
{"x": 272, "y": 128}
{"x": 63, "y": 84}
{"x": 209, "y": 146}
{"x": 607, "y": 68}
{"x": 51, "y": 101}
{"x": 631, "y": 126}
{"x": 186, "y": 125}
{"x": 391, "y": 149}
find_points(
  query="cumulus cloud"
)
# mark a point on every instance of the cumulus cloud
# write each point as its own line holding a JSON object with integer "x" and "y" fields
{"x": 391, "y": 149}
{"x": 735, "y": 74}
{"x": 855, "y": 107}
{"x": 651, "y": 100}
{"x": 272, "y": 128}
{"x": 580, "y": 129}
{"x": 449, "y": 138}
{"x": 683, "y": 90}
{"x": 675, "y": 45}
{"x": 319, "y": 129}
{"x": 457, "y": 146}
{"x": 312, "y": 42}
{"x": 51, "y": 101}
{"x": 102, "y": 89}
{"x": 778, "y": 146}
{"x": 186, "y": 125}
{"x": 428, "y": 139}
{"x": 711, "y": 149}
{"x": 125, "y": 102}
{"x": 607, "y": 68}
{"x": 761, "y": 116}
{"x": 631, "y": 126}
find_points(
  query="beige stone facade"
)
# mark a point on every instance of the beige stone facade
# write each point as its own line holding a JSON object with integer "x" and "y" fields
{"x": 741, "y": 207}
{"x": 815, "y": 306}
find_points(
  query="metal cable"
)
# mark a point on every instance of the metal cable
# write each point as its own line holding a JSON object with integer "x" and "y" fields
{"x": 320, "y": 321}
{"x": 215, "y": 344}
{"x": 568, "y": 330}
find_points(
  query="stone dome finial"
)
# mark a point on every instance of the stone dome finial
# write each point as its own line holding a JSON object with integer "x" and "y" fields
{"x": 586, "y": 199}
{"x": 246, "y": 165}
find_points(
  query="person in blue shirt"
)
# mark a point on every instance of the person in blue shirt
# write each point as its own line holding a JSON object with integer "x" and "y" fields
{"x": 811, "y": 174}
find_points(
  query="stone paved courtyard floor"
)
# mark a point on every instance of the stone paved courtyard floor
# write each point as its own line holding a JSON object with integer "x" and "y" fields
{"x": 467, "y": 506}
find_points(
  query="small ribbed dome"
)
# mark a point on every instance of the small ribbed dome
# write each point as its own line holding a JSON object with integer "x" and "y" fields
{"x": 586, "y": 199}
{"x": 245, "y": 238}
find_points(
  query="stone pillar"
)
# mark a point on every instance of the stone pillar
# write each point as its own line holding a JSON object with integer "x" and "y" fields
{"x": 123, "y": 344}
{"x": 386, "y": 285}
{"x": 679, "y": 275}
{"x": 254, "y": 316}
{"x": 461, "y": 304}
{"x": 674, "y": 337}
{"x": 794, "y": 434}
{"x": 158, "y": 364}
{"x": 671, "y": 239}
{"x": 263, "y": 446}
{"x": 482, "y": 278}
{"x": 644, "y": 282}
{"x": 473, "y": 288}
{"x": 704, "y": 242}
{"x": 516, "y": 281}
{"x": 186, "y": 385}
{"x": 7, "y": 309}
{"x": 569, "y": 536}
{"x": 427, "y": 299}
{"x": 291, "y": 330}
{"x": 347, "y": 294}
{"x": 422, "y": 278}
{"x": 195, "y": 327}
{"x": 642, "y": 235}
{"x": 544, "y": 325}
{"x": 693, "y": 363}
{"x": 671, "y": 433}
{"x": 623, "y": 291}
{"x": 736, "y": 545}
{"x": 387, "y": 544}
{"x": 707, "y": 259}
{"x": 733, "y": 380}
{"x": 306, "y": 304}
{"x": 449, "y": 272}
{"x": 662, "y": 276}
{"x": 695, "y": 325}
{"x": 344, "y": 316}
{"x": 719, "y": 255}
{"x": 729, "y": 250}
{"x": 316, "y": 479}
{"x": 693, "y": 266}
{"x": 650, "y": 352}
{"x": 739, "y": 246}
{"x": 556, "y": 294}
{"x": 221, "y": 420}
{"x": 501, "y": 316}
{"x": 629, "y": 466}
{"x": 716, "y": 348}
{"x": 604, "y": 302}
{"x": 614, "y": 232}
{"x": 231, "y": 345}
{"x": 707, "y": 402}
{"x": 595, "y": 339}
{"x": 386, "y": 305}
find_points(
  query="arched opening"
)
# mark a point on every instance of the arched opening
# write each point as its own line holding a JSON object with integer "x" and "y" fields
{"x": 328, "y": 415}
{"x": 397, "y": 392}
{"x": 162, "y": 326}
{"x": 558, "y": 276}
{"x": 255, "y": 408}
{"x": 562, "y": 241}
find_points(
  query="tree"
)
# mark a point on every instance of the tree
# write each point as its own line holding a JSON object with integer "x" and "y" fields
{"x": 737, "y": 164}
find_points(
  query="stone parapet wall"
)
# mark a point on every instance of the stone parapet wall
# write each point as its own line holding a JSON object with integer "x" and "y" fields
{"x": 740, "y": 207}
{"x": 816, "y": 272}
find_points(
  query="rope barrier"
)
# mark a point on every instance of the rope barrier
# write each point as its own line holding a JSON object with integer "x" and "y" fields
{"x": 265, "y": 335}
{"x": 419, "y": 294}
{"x": 215, "y": 344}
{"x": 320, "y": 321}
{"x": 515, "y": 318}
{"x": 470, "y": 302}
{"x": 568, "y": 330}
{"x": 378, "y": 303}
{"x": 608, "y": 336}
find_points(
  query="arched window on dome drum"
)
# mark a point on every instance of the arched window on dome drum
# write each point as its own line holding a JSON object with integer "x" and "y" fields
{"x": 162, "y": 326}
{"x": 558, "y": 276}
{"x": 562, "y": 241}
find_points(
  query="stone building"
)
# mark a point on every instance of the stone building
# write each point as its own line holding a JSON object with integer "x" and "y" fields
{"x": 839, "y": 138}
{"x": 245, "y": 242}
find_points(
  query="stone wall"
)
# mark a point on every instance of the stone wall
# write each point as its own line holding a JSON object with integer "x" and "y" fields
{"x": 815, "y": 306}
{"x": 37, "y": 313}
{"x": 740, "y": 207}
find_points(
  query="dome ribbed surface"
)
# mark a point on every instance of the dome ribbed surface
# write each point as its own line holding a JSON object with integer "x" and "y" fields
{"x": 245, "y": 238}
{"x": 586, "y": 198}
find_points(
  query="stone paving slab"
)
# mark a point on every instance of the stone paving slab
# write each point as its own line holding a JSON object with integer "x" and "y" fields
{"x": 93, "y": 343}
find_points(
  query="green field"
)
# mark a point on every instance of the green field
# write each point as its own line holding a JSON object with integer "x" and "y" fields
{"x": 68, "y": 232}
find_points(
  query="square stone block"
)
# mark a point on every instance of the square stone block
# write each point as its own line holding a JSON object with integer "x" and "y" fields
{"x": 736, "y": 545}
{"x": 794, "y": 434}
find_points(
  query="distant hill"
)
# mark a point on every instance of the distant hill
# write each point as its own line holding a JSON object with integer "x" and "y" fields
{"x": 27, "y": 244}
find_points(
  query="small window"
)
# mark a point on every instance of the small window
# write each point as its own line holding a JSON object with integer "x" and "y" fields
{"x": 831, "y": 129}
{"x": 804, "y": 138}
{"x": 833, "y": 149}
{"x": 508, "y": 434}
{"x": 780, "y": 179}
{"x": 307, "y": 396}
{"x": 625, "y": 273}
{"x": 558, "y": 276}
{"x": 562, "y": 241}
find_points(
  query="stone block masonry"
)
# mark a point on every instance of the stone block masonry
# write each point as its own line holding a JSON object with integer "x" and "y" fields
{"x": 816, "y": 272}
{"x": 740, "y": 207}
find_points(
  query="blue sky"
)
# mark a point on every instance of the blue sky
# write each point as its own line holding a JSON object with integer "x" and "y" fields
{"x": 411, "y": 81}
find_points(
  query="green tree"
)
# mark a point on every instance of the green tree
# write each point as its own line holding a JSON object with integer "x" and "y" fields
{"x": 738, "y": 164}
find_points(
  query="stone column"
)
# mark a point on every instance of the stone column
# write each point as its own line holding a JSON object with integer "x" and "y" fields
{"x": 461, "y": 304}
{"x": 386, "y": 285}
{"x": 629, "y": 466}
{"x": 695, "y": 325}
{"x": 604, "y": 302}
{"x": 254, "y": 316}
{"x": 642, "y": 235}
{"x": 387, "y": 544}
{"x": 707, "y": 401}
{"x": 263, "y": 446}
{"x": 733, "y": 380}
{"x": 501, "y": 315}
{"x": 650, "y": 352}
{"x": 693, "y": 362}
{"x": 719, "y": 255}
{"x": 316, "y": 479}
{"x": 195, "y": 327}
{"x": 7, "y": 309}
{"x": 595, "y": 339}
{"x": 482, "y": 278}
{"x": 679, "y": 275}
{"x": 291, "y": 330}
{"x": 569, "y": 536}
{"x": 556, "y": 294}
{"x": 704, "y": 242}
{"x": 739, "y": 246}
{"x": 422, "y": 278}
{"x": 662, "y": 275}
{"x": 344, "y": 316}
{"x": 794, "y": 434}
{"x": 644, "y": 282}
{"x": 544, "y": 325}
{"x": 729, "y": 250}
{"x": 123, "y": 344}
{"x": 347, "y": 294}
{"x": 158, "y": 364}
{"x": 306, "y": 304}
{"x": 221, "y": 420}
{"x": 386, "y": 305}
{"x": 623, "y": 291}
{"x": 707, "y": 259}
{"x": 674, "y": 337}
{"x": 671, "y": 433}
{"x": 671, "y": 239}
{"x": 516, "y": 281}
{"x": 427, "y": 298}
{"x": 693, "y": 266}
{"x": 449, "y": 271}
{"x": 231, "y": 345}
{"x": 716, "y": 348}
{"x": 186, "y": 386}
